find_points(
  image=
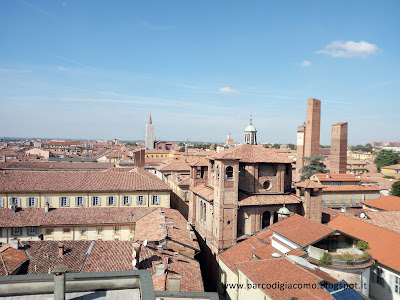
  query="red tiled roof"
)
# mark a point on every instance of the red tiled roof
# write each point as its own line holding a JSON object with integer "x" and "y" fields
{"x": 300, "y": 230}
{"x": 309, "y": 184}
{"x": 37, "y": 181}
{"x": 176, "y": 166}
{"x": 204, "y": 192}
{"x": 350, "y": 188}
{"x": 44, "y": 255}
{"x": 385, "y": 203}
{"x": 385, "y": 219}
{"x": 250, "y": 200}
{"x": 393, "y": 167}
{"x": 383, "y": 244}
{"x": 283, "y": 270}
{"x": 335, "y": 177}
{"x": 23, "y": 217}
{"x": 252, "y": 154}
{"x": 245, "y": 250}
{"x": 297, "y": 252}
{"x": 11, "y": 259}
{"x": 62, "y": 165}
{"x": 189, "y": 269}
{"x": 149, "y": 228}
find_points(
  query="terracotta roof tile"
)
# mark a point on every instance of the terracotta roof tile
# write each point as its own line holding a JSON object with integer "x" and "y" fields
{"x": 293, "y": 228}
{"x": 309, "y": 184}
{"x": 349, "y": 188}
{"x": 59, "y": 181}
{"x": 252, "y": 154}
{"x": 45, "y": 165}
{"x": 204, "y": 192}
{"x": 383, "y": 244}
{"x": 335, "y": 177}
{"x": 176, "y": 166}
{"x": 149, "y": 228}
{"x": 283, "y": 270}
{"x": 11, "y": 259}
{"x": 23, "y": 217}
{"x": 245, "y": 250}
{"x": 250, "y": 200}
{"x": 385, "y": 203}
{"x": 188, "y": 268}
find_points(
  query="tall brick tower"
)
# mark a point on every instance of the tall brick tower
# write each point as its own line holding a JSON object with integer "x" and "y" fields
{"x": 226, "y": 187}
{"x": 313, "y": 125}
{"x": 338, "y": 157}
{"x": 300, "y": 151}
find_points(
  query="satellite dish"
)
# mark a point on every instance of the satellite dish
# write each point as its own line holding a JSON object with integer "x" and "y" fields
{"x": 134, "y": 263}
{"x": 145, "y": 243}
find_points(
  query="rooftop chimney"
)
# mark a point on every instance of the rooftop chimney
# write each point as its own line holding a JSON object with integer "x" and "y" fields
{"x": 161, "y": 214}
{"x": 160, "y": 269}
{"x": 4, "y": 157}
{"x": 13, "y": 208}
{"x": 343, "y": 210}
{"x": 60, "y": 249}
{"x": 174, "y": 283}
{"x": 14, "y": 243}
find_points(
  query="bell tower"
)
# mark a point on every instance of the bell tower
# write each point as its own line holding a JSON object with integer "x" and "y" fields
{"x": 226, "y": 187}
{"x": 250, "y": 134}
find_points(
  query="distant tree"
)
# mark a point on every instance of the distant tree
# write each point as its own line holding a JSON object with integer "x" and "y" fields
{"x": 292, "y": 146}
{"x": 181, "y": 144}
{"x": 386, "y": 158}
{"x": 268, "y": 145}
{"x": 131, "y": 144}
{"x": 276, "y": 146}
{"x": 366, "y": 148}
{"x": 313, "y": 165}
{"x": 182, "y": 149}
{"x": 324, "y": 146}
{"x": 395, "y": 189}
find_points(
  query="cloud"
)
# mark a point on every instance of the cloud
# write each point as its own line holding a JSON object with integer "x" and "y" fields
{"x": 75, "y": 62}
{"x": 155, "y": 27}
{"x": 349, "y": 49}
{"x": 228, "y": 90}
{"x": 62, "y": 68}
{"x": 306, "y": 63}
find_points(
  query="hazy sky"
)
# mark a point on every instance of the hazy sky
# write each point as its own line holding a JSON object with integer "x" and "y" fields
{"x": 97, "y": 69}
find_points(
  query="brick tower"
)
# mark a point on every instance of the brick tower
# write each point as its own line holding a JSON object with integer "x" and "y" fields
{"x": 313, "y": 125}
{"x": 338, "y": 156}
{"x": 226, "y": 187}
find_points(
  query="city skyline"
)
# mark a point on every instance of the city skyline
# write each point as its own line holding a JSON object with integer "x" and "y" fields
{"x": 97, "y": 70}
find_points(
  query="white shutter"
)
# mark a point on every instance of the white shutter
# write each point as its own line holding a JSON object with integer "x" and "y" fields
{"x": 76, "y": 201}
{"x": 19, "y": 202}
{"x": 27, "y": 202}
{"x": 83, "y": 201}
{"x": 144, "y": 200}
{"x": 129, "y": 200}
{"x": 1, "y": 202}
{"x": 92, "y": 200}
{"x": 107, "y": 201}
{"x": 35, "y": 202}
{"x": 59, "y": 201}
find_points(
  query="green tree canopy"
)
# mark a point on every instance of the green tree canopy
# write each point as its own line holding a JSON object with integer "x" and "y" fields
{"x": 312, "y": 165}
{"x": 182, "y": 149}
{"x": 386, "y": 158}
{"x": 276, "y": 146}
{"x": 366, "y": 148}
{"x": 395, "y": 189}
{"x": 292, "y": 146}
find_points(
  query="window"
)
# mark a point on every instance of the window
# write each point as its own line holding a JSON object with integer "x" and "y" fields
{"x": 334, "y": 198}
{"x": 83, "y": 230}
{"x": 32, "y": 231}
{"x": 354, "y": 198}
{"x": 201, "y": 210}
{"x": 116, "y": 229}
{"x": 66, "y": 230}
{"x": 205, "y": 212}
{"x": 110, "y": 200}
{"x": 47, "y": 200}
{"x": 79, "y": 201}
{"x": 126, "y": 200}
{"x": 30, "y": 202}
{"x": 141, "y": 200}
{"x": 64, "y": 201}
{"x": 266, "y": 185}
{"x": 186, "y": 195}
{"x": 49, "y": 231}
{"x": 96, "y": 201}
{"x": 100, "y": 230}
{"x": 16, "y": 231}
{"x": 1, "y": 202}
{"x": 396, "y": 284}
{"x": 379, "y": 277}
{"x": 15, "y": 200}
{"x": 229, "y": 173}
{"x": 344, "y": 198}
{"x": 155, "y": 200}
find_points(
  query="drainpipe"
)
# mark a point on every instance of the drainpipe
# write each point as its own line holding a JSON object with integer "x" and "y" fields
{"x": 59, "y": 282}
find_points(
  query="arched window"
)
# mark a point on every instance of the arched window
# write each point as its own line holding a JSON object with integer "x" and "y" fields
{"x": 201, "y": 210}
{"x": 217, "y": 172}
{"x": 205, "y": 216}
{"x": 229, "y": 173}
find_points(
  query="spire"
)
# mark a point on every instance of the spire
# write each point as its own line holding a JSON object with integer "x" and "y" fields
{"x": 150, "y": 122}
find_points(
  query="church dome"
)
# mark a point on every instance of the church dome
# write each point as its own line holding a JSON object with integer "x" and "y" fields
{"x": 250, "y": 127}
{"x": 284, "y": 211}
